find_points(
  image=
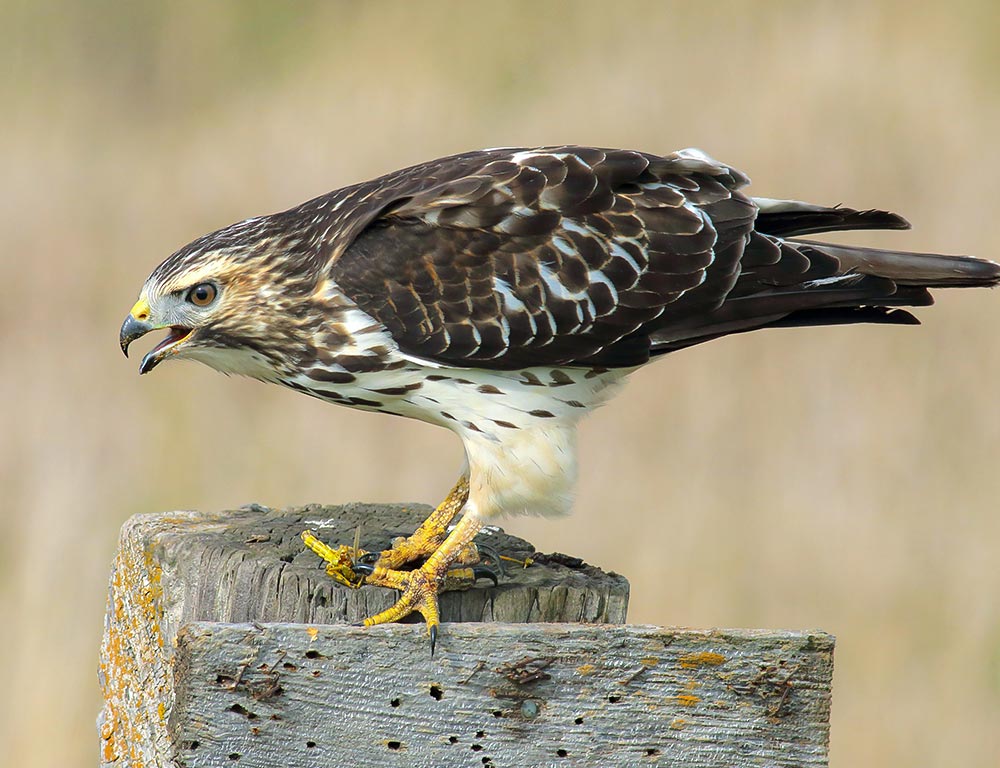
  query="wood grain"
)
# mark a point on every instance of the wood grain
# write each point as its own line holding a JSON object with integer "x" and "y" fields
{"x": 500, "y": 695}
{"x": 249, "y": 565}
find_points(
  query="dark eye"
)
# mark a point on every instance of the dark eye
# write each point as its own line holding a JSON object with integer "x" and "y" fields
{"x": 202, "y": 295}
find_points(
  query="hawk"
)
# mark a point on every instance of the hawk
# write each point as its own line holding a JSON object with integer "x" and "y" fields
{"x": 504, "y": 294}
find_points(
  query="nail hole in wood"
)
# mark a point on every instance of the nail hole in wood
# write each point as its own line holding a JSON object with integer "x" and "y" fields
{"x": 652, "y": 752}
{"x": 394, "y": 703}
{"x": 579, "y": 721}
{"x": 562, "y": 753}
{"x": 239, "y": 709}
{"x": 234, "y": 756}
{"x": 436, "y": 692}
{"x": 613, "y": 699}
{"x": 453, "y": 739}
{"x": 310, "y": 745}
{"x": 477, "y": 747}
{"x": 394, "y": 745}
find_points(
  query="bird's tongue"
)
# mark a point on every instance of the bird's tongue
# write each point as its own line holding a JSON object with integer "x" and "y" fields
{"x": 176, "y": 334}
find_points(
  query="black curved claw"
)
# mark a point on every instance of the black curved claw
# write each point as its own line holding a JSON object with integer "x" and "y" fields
{"x": 433, "y": 632}
{"x": 369, "y": 558}
{"x": 486, "y": 572}
{"x": 493, "y": 555}
{"x": 363, "y": 569}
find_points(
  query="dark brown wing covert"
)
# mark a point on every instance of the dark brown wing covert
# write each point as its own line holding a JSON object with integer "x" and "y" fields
{"x": 555, "y": 256}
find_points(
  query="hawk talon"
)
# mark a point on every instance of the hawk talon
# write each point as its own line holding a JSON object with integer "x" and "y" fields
{"x": 494, "y": 556}
{"x": 485, "y": 572}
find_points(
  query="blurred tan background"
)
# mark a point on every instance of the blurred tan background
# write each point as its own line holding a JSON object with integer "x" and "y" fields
{"x": 845, "y": 479}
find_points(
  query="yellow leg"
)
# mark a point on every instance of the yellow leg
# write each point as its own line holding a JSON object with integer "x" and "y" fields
{"x": 420, "y": 587}
{"x": 431, "y": 533}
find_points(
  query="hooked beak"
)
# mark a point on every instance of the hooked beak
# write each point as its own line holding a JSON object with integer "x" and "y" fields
{"x": 137, "y": 324}
{"x": 132, "y": 329}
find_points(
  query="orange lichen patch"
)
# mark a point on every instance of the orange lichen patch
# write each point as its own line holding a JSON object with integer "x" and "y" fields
{"x": 133, "y": 670}
{"x": 586, "y": 669}
{"x": 701, "y": 659}
{"x": 649, "y": 661}
{"x": 678, "y": 724}
{"x": 690, "y": 685}
{"x": 312, "y": 632}
{"x": 687, "y": 699}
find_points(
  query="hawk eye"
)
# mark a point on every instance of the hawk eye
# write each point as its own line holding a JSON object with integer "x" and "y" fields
{"x": 202, "y": 295}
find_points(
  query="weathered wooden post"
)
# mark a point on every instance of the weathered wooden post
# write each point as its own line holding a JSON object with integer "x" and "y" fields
{"x": 226, "y": 644}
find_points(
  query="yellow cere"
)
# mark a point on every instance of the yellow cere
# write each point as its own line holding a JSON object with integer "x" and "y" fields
{"x": 140, "y": 310}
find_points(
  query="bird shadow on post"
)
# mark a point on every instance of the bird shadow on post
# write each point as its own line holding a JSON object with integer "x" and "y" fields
{"x": 225, "y": 642}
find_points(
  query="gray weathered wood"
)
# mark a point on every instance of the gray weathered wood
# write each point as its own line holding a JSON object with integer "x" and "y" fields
{"x": 500, "y": 695}
{"x": 195, "y": 673}
{"x": 249, "y": 565}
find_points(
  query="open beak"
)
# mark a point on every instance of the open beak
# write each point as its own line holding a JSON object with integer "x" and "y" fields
{"x": 134, "y": 327}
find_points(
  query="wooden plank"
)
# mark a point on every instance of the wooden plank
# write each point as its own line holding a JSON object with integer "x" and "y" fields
{"x": 250, "y": 565}
{"x": 500, "y": 695}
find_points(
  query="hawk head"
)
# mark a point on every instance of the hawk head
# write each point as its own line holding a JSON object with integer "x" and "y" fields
{"x": 231, "y": 299}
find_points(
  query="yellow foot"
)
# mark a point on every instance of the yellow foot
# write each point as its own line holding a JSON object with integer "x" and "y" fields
{"x": 420, "y": 588}
{"x": 431, "y": 534}
{"x": 339, "y": 562}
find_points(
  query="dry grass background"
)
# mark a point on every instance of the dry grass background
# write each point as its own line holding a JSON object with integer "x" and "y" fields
{"x": 845, "y": 479}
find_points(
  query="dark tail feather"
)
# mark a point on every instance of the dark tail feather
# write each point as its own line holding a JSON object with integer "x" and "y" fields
{"x": 801, "y": 318}
{"x": 927, "y": 270}
{"x": 791, "y": 218}
{"x": 791, "y": 282}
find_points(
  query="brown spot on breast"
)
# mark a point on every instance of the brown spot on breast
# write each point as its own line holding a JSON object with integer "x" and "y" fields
{"x": 542, "y": 414}
{"x": 488, "y": 389}
{"x": 335, "y": 377}
{"x": 363, "y": 401}
{"x": 506, "y": 424}
{"x": 397, "y": 390}
{"x": 560, "y": 378}
{"x": 361, "y": 363}
{"x": 531, "y": 379}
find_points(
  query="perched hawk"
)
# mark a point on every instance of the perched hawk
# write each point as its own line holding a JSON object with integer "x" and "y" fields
{"x": 504, "y": 294}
